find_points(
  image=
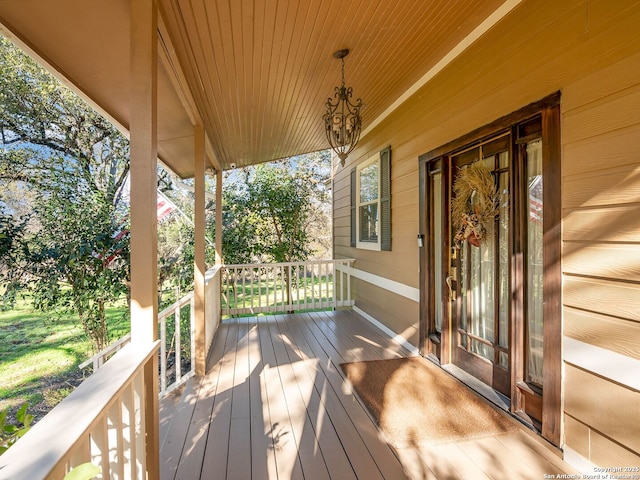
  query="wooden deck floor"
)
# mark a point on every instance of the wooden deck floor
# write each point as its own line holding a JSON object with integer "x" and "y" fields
{"x": 274, "y": 405}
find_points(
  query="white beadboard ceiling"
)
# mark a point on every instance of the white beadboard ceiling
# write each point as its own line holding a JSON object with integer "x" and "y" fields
{"x": 256, "y": 73}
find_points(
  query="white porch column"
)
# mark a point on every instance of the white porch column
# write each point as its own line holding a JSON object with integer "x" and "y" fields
{"x": 143, "y": 151}
{"x": 219, "y": 258}
{"x": 199, "y": 251}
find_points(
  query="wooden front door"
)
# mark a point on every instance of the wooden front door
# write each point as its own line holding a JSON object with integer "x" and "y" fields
{"x": 479, "y": 276}
{"x": 493, "y": 309}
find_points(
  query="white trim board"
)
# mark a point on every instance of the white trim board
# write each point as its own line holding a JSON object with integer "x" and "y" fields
{"x": 387, "y": 331}
{"x": 605, "y": 363}
{"x": 398, "y": 288}
{"x": 577, "y": 461}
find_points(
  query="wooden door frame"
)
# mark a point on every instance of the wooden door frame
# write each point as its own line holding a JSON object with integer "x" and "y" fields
{"x": 428, "y": 346}
{"x": 549, "y": 110}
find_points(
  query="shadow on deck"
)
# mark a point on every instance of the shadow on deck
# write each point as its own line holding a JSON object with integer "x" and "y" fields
{"x": 273, "y": 405}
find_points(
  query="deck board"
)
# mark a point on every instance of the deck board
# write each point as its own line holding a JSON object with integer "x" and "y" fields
{"x": 275, "y": 404}
{"x": 298, "y": 398}
{"x": 330, "y": 350}
{"x": 238, "y": 455}
{"x": 322, "y": 416}
{"x": 281, "y": 430}
{"x": 350, "y": 438}
{"x": 205, "y": 427}
{"x": 263, "y": 465}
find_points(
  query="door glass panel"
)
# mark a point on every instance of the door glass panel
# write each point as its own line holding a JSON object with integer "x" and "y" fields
{"x": 503, "y": 254}
{"x": 503, "y": 359}
{"x": 464, "y": 297}
{"x": 482, "y": 349}
{"x": 534, "y": 263}
{"x": 482, "y": 293}
{"x": 437, "y": 247}
{"x": 482, "y": 310}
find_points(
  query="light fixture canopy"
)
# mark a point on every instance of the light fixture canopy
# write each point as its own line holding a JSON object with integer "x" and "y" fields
{"x": 342, "y": 120}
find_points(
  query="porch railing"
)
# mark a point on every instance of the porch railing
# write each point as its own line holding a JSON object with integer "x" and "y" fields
{"x": 286, "y": 287}
{"x": 177, "y": 345}
{"x": 177, "y": 352}
{"x": 212, "y": 303}
{"x": 102, "y": 356}
{"x": 108, "y": 421}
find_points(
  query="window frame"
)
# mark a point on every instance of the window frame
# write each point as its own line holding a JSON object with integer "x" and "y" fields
{"x": 384, "y": 204}
{"x": 367, "y": 244}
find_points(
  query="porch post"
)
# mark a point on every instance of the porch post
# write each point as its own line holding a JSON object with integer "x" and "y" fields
{"x": 199, "y": 251}
{"x": 143, "y": 152}
{"x": 219, "y": 259}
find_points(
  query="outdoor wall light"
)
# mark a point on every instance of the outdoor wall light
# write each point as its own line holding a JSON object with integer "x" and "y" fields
{"x": 342, "y": 120}
{"x": 421, "y": 240}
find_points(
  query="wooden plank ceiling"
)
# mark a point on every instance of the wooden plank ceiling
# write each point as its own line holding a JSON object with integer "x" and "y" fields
{"x": 255, "y": 73}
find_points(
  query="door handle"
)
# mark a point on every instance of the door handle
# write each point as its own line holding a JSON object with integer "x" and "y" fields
{"x": 449, "y": 282}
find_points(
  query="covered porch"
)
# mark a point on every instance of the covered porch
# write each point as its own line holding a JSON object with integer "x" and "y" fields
{"x": 205, "y": 87}
{"x": 274, "y": 403}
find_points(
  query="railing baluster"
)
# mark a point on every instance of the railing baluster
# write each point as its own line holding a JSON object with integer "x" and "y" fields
{"x": 163, "y": 353}
{"x": 235, "y": 289}
{"x": 305, "y": 266}
{"x": 289, "y": 287}
{"x": 258, "y": 276}
{"x": 320, "y": 283}
{"x": 177, "y": 355}
{"x": 133, "y": 442}
{"x": 192, "y": 330}
{"x": 277, "y": 285}
{"x": 337, "y": 285}
{"x": 327, "y": 280}
{"x": 294, "y": 273}
{"x": 82, "y": 454}
{"x": 349, "y": 284}
{"x": 100, "y": 447}
{"x": 126, "y": 418}
{"x": 274, "y": 305}
{"x": 313, "y": 286}
{"x": 243, "y": 295}
{"x": 140, "y": 430}
{"x": 115, "y": 441}
{"x": 252, "y": 287}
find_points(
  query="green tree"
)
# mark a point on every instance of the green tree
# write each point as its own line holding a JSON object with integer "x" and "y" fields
{"x": 11, "y": 235}
{"x": 278, "y": 208}
{"x": 50, "y": 137}
{"x": 239, "y": 222}
{"x": 71, "y": 248}
{"x": 78, "y": 260}
{"x": 282, "y": 202}
{"x": 276, "y": 212}
{"x": 175, "y": 256}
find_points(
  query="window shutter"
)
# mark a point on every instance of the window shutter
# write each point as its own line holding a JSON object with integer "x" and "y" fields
{"x": 353, "y": 206}
{"x": 385, "y": 199}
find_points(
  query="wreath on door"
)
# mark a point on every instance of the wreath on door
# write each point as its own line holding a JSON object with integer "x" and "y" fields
{"x": 475, "y": 204}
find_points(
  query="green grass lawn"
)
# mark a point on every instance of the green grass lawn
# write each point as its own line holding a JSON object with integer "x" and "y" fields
{"x": 40, "y": 354}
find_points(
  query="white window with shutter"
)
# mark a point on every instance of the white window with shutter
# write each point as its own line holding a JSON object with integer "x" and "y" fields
{"x": 371, "y": 203}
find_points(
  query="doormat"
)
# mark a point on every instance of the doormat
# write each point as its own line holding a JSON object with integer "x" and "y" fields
{"x": 416, "y": 403}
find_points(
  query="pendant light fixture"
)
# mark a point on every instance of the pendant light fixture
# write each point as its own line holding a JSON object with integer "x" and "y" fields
{"x": 342, "y": 119}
